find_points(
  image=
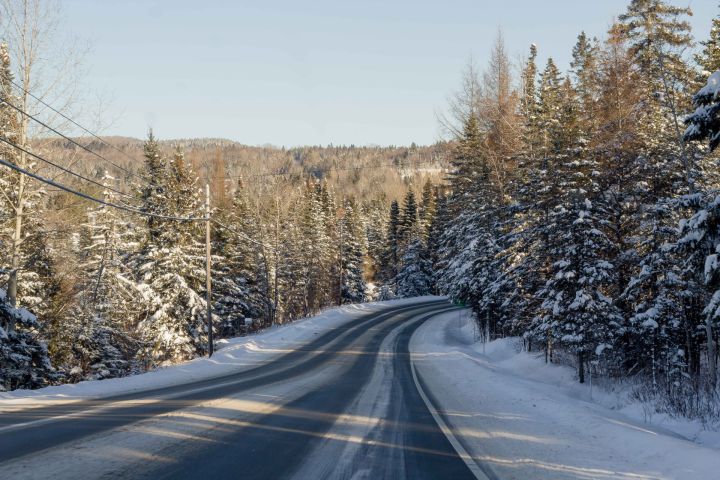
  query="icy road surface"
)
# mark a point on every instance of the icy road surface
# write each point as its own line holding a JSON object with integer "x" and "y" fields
{"x": 396, "y": 390}
{"x": 344, "y": 405}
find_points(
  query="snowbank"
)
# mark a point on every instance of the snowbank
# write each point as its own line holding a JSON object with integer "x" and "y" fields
{"x": 527, "y": 419}
{"x": 233, "y": 355}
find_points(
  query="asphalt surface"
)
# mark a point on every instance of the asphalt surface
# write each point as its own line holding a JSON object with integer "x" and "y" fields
{"x": 348, "y": 405}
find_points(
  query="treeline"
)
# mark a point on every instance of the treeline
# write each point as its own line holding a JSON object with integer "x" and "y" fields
{"x": 580, "y": 218}
{"x": 90, "y": 291}
{"x": 358, "y": 171}
{"x": 122, "y": 293}
{"x": 101, "y": 292}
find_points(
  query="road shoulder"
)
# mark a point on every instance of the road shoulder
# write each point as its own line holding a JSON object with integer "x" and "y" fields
{"x": 524, "y": 428}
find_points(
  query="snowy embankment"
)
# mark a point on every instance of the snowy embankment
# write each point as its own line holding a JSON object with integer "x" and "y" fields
{"x": 525, "y": 419}
{"x": 234, "y": 355}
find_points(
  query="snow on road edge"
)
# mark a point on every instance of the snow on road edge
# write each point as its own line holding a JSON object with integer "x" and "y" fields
{"x": 234, "y": 355}
{"x": 526, "y": 419}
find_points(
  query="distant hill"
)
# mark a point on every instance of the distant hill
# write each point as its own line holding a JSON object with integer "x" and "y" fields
{"x": 363, "y": 172}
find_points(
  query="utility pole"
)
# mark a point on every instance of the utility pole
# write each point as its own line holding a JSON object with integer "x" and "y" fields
{"x": 208, "y": 265}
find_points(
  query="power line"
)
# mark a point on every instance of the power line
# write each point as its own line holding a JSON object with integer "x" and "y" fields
{"x": 97, "y": 200}
{"x": 60, "y": 167}
{"x": 68, "y": 138}
{"x": 104, "y": 142}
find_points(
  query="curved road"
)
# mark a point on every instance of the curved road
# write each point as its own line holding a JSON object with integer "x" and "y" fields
{"x": 347, "y": 405}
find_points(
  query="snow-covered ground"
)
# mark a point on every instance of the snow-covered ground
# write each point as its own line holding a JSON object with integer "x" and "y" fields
{"x": 525, "y": 419}
{"x": 233, "y": 355}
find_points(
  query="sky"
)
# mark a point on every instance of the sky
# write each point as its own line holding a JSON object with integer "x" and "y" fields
{"x": 291, "y": 73}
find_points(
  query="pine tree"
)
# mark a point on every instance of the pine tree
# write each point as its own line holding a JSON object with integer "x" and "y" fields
{"x": 171, "y": 264}
{"x": 351, "y": 255}
{"x": 704, "y": 123}
{"x": 469, "y": 183}
{"x": 292, "y": 274}
{"x": 239, "y": 273}
{"x": 529, "y": 106}
{"x": 584, "y": 68}
{"x": 409, "y": 218}
{"x": 24, "y": 359}
{"x": 709, "y": 58}
{"x": 700, "y": 245}
{"x": 392, "y": 249}
{"x": 428, "y": 208}
{"x": 376, "y": 230}
{"x": 658, "y": 34}
{"x": 319, "y": 257}
{"x": 414, "y": 277}
{"x": 94, "y": 340}
{"x": 467, "y": 161}
{"x": 701, "y": 240}
{"x": 575, "y": 309}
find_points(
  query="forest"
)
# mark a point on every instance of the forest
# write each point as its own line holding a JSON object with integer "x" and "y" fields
{"x": 577, "y": 210}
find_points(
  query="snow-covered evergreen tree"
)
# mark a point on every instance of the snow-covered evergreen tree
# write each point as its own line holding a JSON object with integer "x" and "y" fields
{"x": 94, "y": 339}
{"x": 457, "y": 245}
{"x": 415, "y": 275}
{"x": 351, "y": 255}
{"x": 408, "y": 218}
{"x": 709, "y": 58}
{"x": 24, "y": 358}
{"x": 376, "y": 230}
{"x": 239, "y": 273}
{"x": 392, "y": 253}
{"x": 291, "y": 271}
{"x": 576, "y": 311}
{"x": 427, "y": 208}
{"x": 318, "y": 255}
{"x": 170, "y": 264}
{"x": 704, "y": 123}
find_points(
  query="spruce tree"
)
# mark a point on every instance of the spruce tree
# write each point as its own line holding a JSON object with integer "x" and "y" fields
{"x": 238, "y": 268}
{"x": 584, "y": 69}
{"x": 709, "y": 58}
{"x": 414, "y": 277}
{"x": 427, "y": 208}
{"x": 171, "y": 264}
{"x": 704, "y": 123}
{"x": 292, "y": 268}
{"x": 531, "y": 137}
{"x": 392, "y": 249}
{"x": 351, "y": 255}
{"x": 376, "y": 230}
{"x": 318, "y": 254}
{"x": 24, "y": 358}
{"x": 408, "y": 219}
{"x": 95, "y": 339}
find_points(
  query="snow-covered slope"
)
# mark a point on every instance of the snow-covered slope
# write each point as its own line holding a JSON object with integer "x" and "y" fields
{"x": 233, "y": 355}
{"x": 525, "y": 419}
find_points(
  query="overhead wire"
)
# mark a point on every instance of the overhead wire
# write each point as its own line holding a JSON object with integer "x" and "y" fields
{"x": 60, "y": 167}
{"x": 106, "y": 143}
{"x": 98, "y": 200}
{"x": 92, "y": 152}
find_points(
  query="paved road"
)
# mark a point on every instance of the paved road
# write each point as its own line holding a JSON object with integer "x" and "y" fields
{"x": 347, "y": 405}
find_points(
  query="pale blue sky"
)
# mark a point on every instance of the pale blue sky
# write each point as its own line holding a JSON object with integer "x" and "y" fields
{"x": 312, "y": 72}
